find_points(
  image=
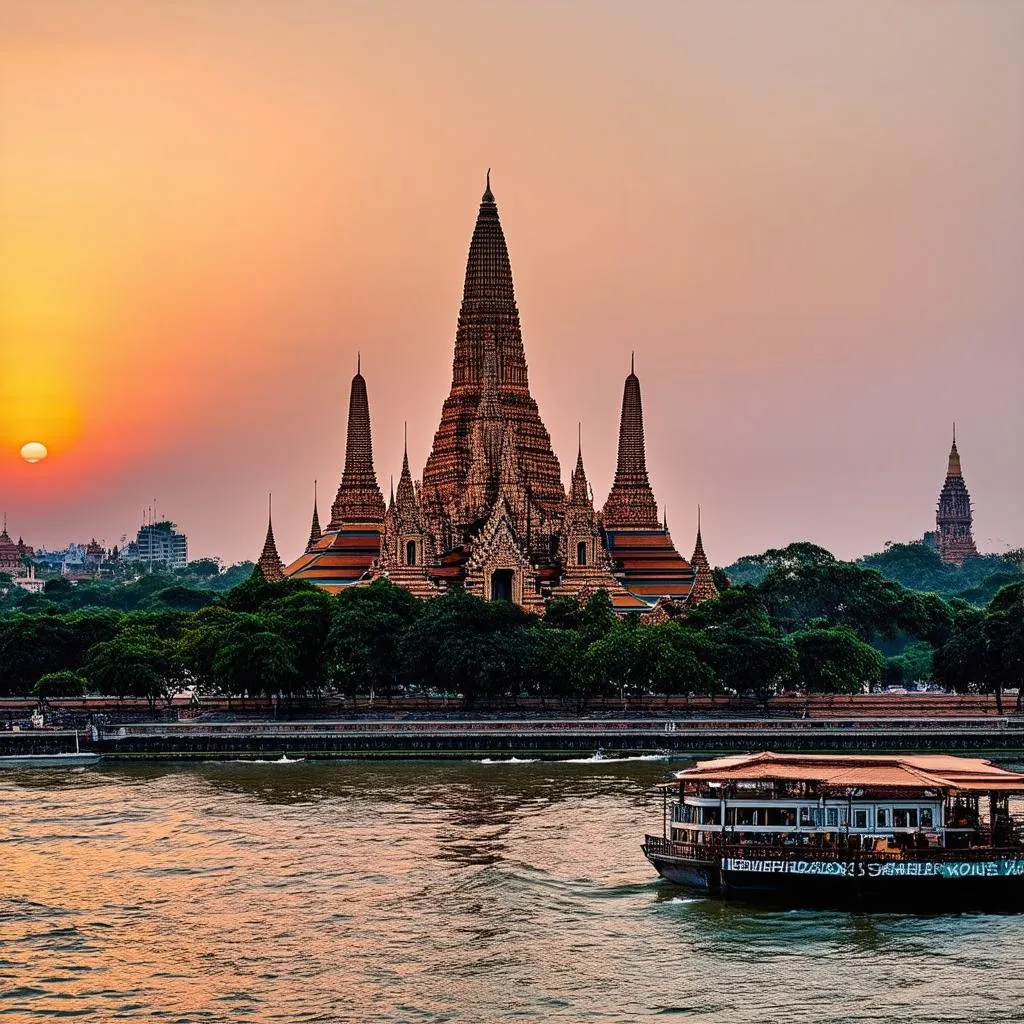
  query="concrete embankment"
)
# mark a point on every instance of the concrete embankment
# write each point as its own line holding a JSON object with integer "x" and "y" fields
{"x": 531, "y": 738}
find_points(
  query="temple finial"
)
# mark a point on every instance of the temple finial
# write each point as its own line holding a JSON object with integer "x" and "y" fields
{"x": 632, "y": 362}
{"x": 405, "y": 439}
{"x": 698, "y": 522}
{"x": 579, "y": 438}
{"x": 488, "y": 196}
{"x": 954, "y": 433}
{"x": 359, "y": 363}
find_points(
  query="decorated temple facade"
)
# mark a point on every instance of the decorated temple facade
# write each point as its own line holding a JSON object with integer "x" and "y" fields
{"x": 490, "y": 513}
{"x": 954, "y": 518}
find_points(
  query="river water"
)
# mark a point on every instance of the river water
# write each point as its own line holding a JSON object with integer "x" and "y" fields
{"x": 429, "y": 892}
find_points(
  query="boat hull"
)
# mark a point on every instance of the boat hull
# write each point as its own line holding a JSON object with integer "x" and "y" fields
{"x": 919, "y": 885}
{"x": 18, "y": 761}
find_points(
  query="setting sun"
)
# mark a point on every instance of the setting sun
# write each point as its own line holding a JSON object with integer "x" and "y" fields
{"x": 34, "y": 452}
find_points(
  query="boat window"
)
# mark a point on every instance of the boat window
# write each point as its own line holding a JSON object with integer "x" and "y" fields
{"x": 832, "y": 816}
{"x": 926, "y": 817}
{"x": 844, "y": 816}
{"x": 785, "y": 816}
{"x": 904, "y": 817}
{"x": 710, "y": 816}
{"x": 807, "y": 816}
{"x": 882, "y": 817}
{"x": 860, "y": 819}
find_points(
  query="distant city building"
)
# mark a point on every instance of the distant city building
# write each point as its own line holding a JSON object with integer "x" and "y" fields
{"x": 158, "y": 544}
{"x": 954, "y": 519}
{"x": 29, "y": 581}
{"x": 492, "y": 514}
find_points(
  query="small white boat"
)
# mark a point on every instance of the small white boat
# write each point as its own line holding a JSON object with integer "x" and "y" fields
{"x": 70, "y": 759}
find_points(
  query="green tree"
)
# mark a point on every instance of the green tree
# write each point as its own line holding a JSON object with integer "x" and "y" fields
{"x": 476, "y": 648}
{"x": 836, "y": 660}
{"x": 59, "y": 684}
{"x": 135, "y": 663}
{"x": 363, "y": 648}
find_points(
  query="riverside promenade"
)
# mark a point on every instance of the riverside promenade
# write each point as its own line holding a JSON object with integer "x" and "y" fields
{"x": 534, "y": 738}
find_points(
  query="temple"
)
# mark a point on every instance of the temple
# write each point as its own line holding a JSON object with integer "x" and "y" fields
{"x": 491, "y": 513}
{"x": 12, "y": 555}
{"x": 953, "y": 518}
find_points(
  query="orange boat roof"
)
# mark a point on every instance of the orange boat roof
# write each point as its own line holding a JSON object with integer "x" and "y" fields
{"x": 918, "y": 771}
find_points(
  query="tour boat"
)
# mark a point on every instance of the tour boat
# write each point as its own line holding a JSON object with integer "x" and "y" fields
{"x": 69, "y": 759}
{"x": 931, "y": 832}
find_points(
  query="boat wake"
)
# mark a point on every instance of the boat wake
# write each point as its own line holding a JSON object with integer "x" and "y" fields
{"x": 604, "y": 759}
{"x": 283, "y": 759}
{"x": 508, "y": 760}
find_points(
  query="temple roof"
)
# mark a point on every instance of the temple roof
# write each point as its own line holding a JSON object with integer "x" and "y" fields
{"x": 648, "y": 565}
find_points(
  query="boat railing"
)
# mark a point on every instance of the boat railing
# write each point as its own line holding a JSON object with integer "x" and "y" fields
{"x": 658, "y": 846}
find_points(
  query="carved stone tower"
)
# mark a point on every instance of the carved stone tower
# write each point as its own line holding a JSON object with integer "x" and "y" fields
{"x": 359, "y": 499}
{"x": 954, "y": 519}
{"x": 630, "y": 504}
{"x": 269, "y": 564}
{"x": 488, "y": 344}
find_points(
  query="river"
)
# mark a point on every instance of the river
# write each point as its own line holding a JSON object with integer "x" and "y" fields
{"x": 426, "y": 893}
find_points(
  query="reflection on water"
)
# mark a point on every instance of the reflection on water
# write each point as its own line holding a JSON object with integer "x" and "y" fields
{"x": 423, "y": 892}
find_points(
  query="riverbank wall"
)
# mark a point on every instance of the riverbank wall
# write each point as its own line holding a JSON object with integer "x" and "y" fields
{"x": 190, "y": 741}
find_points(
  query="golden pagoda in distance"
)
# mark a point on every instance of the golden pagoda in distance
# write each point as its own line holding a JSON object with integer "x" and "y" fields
{"x": 491, "y": 514}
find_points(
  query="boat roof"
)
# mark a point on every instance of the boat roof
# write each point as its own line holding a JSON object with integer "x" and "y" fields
{"x": 913, "y": 771}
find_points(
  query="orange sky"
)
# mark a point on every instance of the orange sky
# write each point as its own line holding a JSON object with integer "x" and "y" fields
{"x": 805, "y": 218}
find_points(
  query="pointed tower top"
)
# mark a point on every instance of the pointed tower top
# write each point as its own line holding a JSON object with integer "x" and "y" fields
{"x": 315, "y": 533}
{"x": 631, "y": 503}
{"x": 703, "y": 588}
{"x": 698, "y": 550}
{"x": 405, "y": 496}
{"x": 953, "y": 468}
{"x": 359, "y": 364}
{"x": 632, "y": 364}
{"x": 269, "y": 564}
{"x": 359, "y": 499}
{"x": 488, "y": 196}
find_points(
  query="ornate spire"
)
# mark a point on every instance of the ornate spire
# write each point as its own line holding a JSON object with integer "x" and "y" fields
{"x": 315, "y": 533}
{"x": 406, "y": 505}
{"x": 488, "y": 318}
{"x": 631, "y": 503}
{"x": 270, "y": 565}
{"x": 953, "y": 468}
{"x": 359, "y": 499}
{"x": 703, "y": 588}
{"x": 954, "y": 518}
